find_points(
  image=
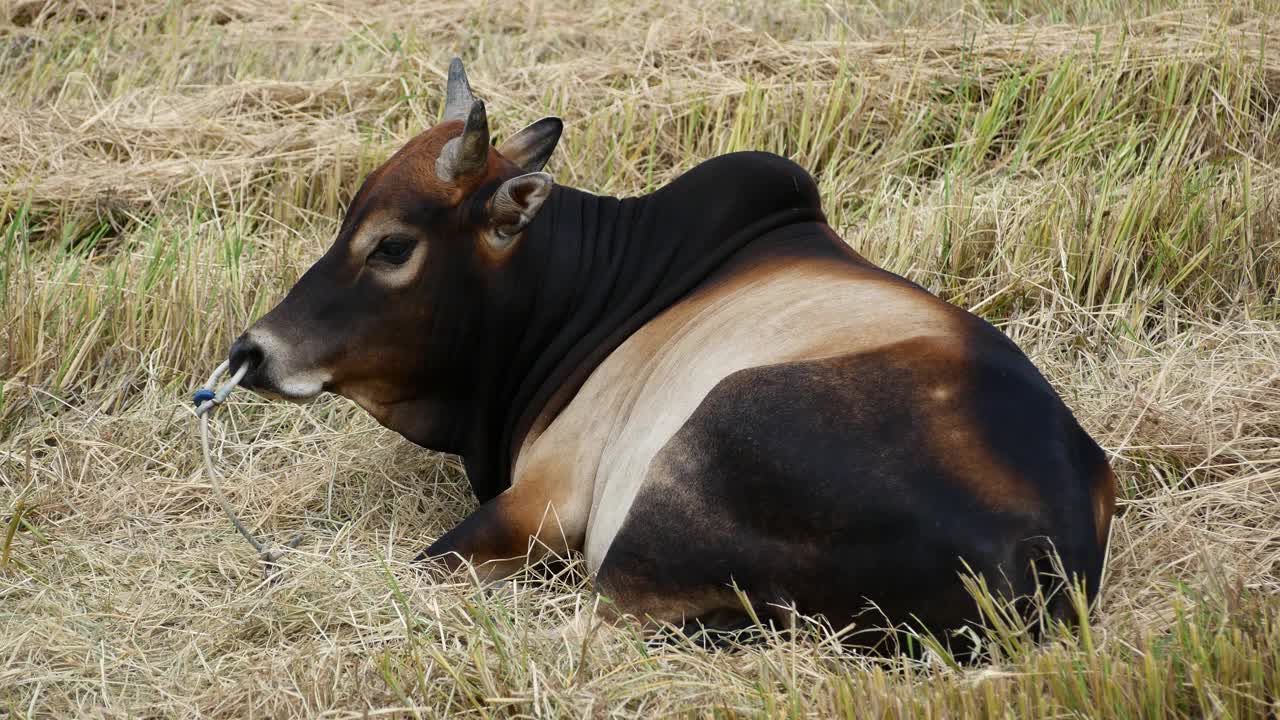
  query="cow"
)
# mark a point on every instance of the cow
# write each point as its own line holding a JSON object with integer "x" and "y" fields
{"x": 704, "y": 390}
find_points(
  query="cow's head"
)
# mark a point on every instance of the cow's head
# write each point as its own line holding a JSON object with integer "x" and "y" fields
{"x": 384, "y": 316}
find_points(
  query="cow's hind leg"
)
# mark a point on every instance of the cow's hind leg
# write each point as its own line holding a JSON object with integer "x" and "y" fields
{"x": 830, "y": 485}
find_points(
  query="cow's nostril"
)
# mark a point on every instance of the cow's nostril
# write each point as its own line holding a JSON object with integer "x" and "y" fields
{"x": 245, "y": 352}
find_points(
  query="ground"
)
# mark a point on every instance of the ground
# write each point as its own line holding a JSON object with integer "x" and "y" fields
{"x": 1098, "y": 177}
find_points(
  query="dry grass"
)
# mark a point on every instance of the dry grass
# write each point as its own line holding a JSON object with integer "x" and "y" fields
{"x": 1099, "y": 177}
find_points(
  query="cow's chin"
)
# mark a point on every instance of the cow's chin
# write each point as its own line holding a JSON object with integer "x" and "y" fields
{"x": 275, "y": 396}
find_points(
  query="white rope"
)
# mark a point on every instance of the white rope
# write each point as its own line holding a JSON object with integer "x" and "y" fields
{"x": 209, "y": 399}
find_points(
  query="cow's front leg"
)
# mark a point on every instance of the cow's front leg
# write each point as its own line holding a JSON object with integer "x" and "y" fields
{"x": 523, "y": 524}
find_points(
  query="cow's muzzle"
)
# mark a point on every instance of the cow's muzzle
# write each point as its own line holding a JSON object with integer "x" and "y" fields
{"x": 275, "y": 370}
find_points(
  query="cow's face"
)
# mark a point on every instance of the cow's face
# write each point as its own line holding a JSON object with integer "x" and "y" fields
{"x": 383, "y": 316}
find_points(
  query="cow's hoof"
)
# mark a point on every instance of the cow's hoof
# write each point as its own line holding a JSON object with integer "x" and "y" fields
{"x": 436, "y": 567}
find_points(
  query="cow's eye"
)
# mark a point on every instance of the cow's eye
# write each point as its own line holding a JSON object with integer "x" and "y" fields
{"x": 394, "y": 249}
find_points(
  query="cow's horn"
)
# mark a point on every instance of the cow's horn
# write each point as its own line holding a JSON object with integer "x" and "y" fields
{"x": 467, "y": 154}
{"x": 457, "y": 94}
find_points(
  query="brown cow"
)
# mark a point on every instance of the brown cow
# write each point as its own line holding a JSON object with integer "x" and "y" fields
{"x": 698, "y": 388}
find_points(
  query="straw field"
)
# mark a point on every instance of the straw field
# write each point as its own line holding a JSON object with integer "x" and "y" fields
{"x": 1100, "y": 178}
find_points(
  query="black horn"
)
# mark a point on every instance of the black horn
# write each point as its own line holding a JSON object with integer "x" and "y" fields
{"x": 458, "y": 97}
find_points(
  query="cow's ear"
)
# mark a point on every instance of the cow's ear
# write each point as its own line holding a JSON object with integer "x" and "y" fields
{"x": 514, "y": 205}
{"x": 531, "y": 148}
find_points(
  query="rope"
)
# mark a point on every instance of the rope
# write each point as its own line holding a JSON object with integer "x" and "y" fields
{"x": 206, "y": 400}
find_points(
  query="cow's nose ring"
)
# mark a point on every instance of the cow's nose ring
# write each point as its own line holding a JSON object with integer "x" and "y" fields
{"x": 245, "y": 352}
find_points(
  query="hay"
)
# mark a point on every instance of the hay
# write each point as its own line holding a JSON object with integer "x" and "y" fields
{"x": 1100, "y": 179}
